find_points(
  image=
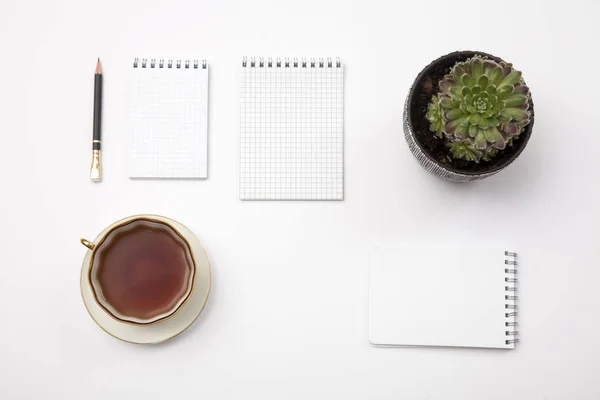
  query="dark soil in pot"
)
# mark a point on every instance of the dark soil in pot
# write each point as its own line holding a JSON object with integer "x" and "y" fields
{"x": 425, "y": 86}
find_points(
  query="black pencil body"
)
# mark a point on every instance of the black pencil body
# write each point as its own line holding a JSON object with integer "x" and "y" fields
{"x": 96, "y": 144}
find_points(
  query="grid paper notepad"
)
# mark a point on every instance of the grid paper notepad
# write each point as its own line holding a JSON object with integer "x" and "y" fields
{"x": 169, "y": 120}
{"x": 291, "y": 130}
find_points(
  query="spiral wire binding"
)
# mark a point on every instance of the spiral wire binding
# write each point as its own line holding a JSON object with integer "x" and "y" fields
{"x": 511, "y": 288}
{"x": 152, "y": 63}
{"x": 295, "y": 62}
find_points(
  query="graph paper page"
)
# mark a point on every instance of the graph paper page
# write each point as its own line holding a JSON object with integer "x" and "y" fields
{"x": 291, "y": 130}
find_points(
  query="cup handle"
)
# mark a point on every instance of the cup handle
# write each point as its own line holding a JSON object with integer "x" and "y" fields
{"x": 87, "y": 243}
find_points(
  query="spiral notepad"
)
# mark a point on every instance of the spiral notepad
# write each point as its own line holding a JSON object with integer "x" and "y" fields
{"x": 443, "y": 296}
{"x": 291, "y": 129}
{"x": 169, "y": 119}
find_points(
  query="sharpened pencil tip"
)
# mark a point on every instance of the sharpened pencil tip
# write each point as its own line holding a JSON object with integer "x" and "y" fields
{"x": 98, "y": 67}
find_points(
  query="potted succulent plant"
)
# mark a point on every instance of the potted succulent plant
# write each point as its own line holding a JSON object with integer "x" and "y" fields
{"x": 467, "y": 116}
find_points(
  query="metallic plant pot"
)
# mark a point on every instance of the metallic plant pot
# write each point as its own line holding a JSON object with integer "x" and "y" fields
{"x": 422, "y": 155}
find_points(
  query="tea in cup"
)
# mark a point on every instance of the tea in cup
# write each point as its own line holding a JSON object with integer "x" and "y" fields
{"x": 141, "y": 271}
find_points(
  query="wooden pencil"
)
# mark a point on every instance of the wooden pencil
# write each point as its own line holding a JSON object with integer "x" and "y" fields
{"x": 96, "y": 169}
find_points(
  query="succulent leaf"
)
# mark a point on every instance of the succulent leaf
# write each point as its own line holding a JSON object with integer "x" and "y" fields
{"x": 451, "y": 126}
{"x": 458, "y": 73}
{"x": 468, "y": 80}
{"x": 494, "y": 75}
{"x": 493, "y": 135}
{"x": 461, "y": 131}
{"x": 510, "y": 129}
{"x": 482, "y": 106}
{"x": 504, "y": 91}
{"x": 464, "y": 150}
{"x": 477, "y": 68}
{"x": 491, "y": 153}
{"x": 434, "y": 116}
{"x": 522, "y": 90}
{"x": 480, "y": 141}
{"x": 515, "y": 100}
{"x": 483, "y": 81}
{"x": 445, "y": 86}
{"x": 453, "y": 114}
{"x": 446, "y": 103}
{"x": 512, "y": 78}
{"x": 472, "y": 130}
{"x": 515, "y": 114}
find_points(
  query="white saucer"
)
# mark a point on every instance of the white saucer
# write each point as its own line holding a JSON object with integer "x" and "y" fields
{"x": 162, "y": 330}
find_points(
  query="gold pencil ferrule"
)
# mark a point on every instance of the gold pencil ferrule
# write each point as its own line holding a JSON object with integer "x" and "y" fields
{"x": 96, "y": 169}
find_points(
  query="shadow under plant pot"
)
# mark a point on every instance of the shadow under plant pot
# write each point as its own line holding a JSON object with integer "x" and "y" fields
{"x": 468, "y": 115}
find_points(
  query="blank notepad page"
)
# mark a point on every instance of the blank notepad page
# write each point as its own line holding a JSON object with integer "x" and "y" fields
{"x": 169, "y": 119}
{"x": 291, "y": 128}
{"x": 442, "y": 296}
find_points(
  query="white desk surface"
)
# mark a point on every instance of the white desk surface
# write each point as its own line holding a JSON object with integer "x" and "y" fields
{"x": 287, "y": 315}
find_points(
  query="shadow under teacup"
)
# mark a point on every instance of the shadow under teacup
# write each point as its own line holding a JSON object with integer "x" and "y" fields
{"x": 141, "y": 271}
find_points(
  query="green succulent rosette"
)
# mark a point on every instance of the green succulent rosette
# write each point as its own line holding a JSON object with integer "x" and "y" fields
{"x": 481, "y": 108}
